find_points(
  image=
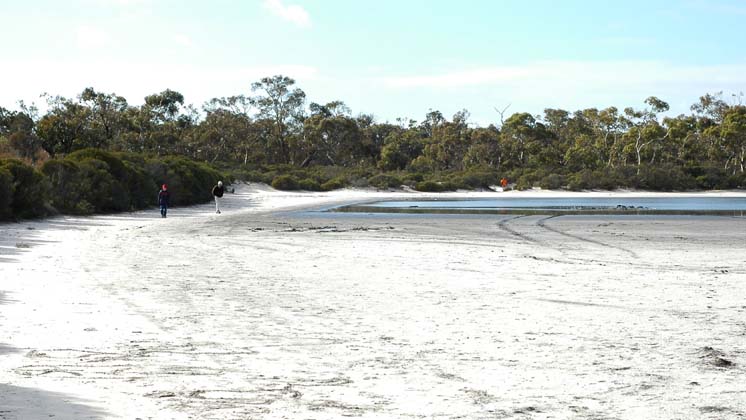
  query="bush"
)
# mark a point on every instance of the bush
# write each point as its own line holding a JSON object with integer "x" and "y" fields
{"x": 422, "y": 164}
{"x": 250, "y": 176}
{"x": 101, "y": 189}
{"x": 94, "y": 181}
{"x": 30, "y": 191}
{"x": 478, "y": 179}
{"x": 666, "y": 178}
{"x": 737, "y": 181}
{"x": 582, "y": 180}
{"x": 286, "y": 183}
{"x": 6, "y": 193}
{"x": 189, "y": 182}
{"x": 383, "y": 181}
{"x": 334, "y": 184}
{"x": 413, "y": 178}
{"x": 429, "y": 186}
{"x": 309, "y": 185}
{"x": 66, "y": 186}
{"x": 552, "y": 182}
{"x": 601, "y": 179}
{"x": 115, "y": 165}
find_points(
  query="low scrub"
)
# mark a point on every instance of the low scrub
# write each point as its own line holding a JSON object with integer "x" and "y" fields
{"x": 286, "y": 183}
{"x": 95, "y": 181}
{"x": 28, "y": 190}
{"x": 385, "y": 181}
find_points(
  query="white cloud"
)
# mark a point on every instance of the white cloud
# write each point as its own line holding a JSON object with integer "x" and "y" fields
{"x": 292, "y": 12}
{"x": 89, "y": 37}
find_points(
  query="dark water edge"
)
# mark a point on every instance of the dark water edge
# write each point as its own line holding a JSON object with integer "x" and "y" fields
{"x": 527, "y": 211}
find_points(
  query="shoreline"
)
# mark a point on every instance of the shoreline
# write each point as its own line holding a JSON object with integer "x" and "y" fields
{"x": 265, "y": 192}
{"x": 262, "y": 312}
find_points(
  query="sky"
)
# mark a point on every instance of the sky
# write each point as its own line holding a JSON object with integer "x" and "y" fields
{"x": 389, "y": 58}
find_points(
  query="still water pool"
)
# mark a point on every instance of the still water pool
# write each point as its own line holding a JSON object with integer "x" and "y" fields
{"x": 728, "y": 206}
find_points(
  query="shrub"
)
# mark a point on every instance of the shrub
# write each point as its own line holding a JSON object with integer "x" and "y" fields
{"x": 334, "y": 184}
{"x": 141, "y": 187}
{"x": 383, "y": 181}
{"x": 309, "y": 185}
{"x": 603, "y": 179}
{"x": 429, "y": 186}
{"x": 413, "y": 178}
{"x": 422, "y": 164}
{"x": 478, "y": 179}
{"x": 189, "y": 182}
{"x": 250, "y": 176}
{"x": 525, "y": 182}
{"x": 285, "y": 183}
{"x": 666, "y": 178}
{"x": 29, "y": 187}
{"x": 99, "y": 187}
{"x": 6, "y": 193}
{"x": 581, "y": 180}
{"x": 552, "y": 182}
{"x": 66, "y": 185}
{"x": 737, "y": 180}
{"x": 115, "y": 165}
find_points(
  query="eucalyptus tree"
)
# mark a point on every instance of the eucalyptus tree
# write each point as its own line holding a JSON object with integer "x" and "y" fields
{"x": 526, "y": 142}
{"x": 65, "y": 127}
{"x": 330, "y": 136}
{"x": 160, "y": 125}
{"x": 484, "y": 149}
{"x": 644, "y": 130}
{"x": 400, "y": 148}
{"x": 448, "y": 142}
{"x": 227, "y": 132}
{"x": 277, "y": 101}
{"x": 372, "y": 138}
{"x": 733, "y": 133}
{"x": 107, "y": 112}
{"x": 19, "y": 129}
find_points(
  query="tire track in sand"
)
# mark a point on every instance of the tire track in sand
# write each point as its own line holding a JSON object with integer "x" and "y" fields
{"x": 503, "y": 225}
{"x": 542, "y": 224}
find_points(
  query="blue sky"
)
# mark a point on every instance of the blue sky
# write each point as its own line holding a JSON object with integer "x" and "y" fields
{"x": 389, "y": 58}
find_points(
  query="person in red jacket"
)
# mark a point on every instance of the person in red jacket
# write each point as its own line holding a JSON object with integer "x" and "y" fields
{"x": 164, "y": 200}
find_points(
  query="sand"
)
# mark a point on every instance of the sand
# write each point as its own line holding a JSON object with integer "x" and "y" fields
{"x": 269, "y": 311}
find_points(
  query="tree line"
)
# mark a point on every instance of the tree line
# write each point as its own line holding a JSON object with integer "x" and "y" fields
{"x": 274, "y": 130}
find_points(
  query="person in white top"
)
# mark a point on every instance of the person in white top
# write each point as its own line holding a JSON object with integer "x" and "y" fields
{"x": 217, "y": 192}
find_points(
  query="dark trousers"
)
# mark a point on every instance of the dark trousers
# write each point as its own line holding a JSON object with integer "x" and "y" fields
{"x": 164, "y": 210}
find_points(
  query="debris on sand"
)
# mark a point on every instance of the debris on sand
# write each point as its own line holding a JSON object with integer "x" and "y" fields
{"x": 294, "y": 394}
{"x": 479, "y": 396}
{"x": 526, "y": 410}
{"x": 715, "y": 358}
{"x": 713, "y": 409}
{"x": 160, "y": 394}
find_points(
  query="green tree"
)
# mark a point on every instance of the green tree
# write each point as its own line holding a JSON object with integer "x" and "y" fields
{"x": 282, "y": 104}
{"x": 733, "y": 133}
{"x": 64, "y": 127}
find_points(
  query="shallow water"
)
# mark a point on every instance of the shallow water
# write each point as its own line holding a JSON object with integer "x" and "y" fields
{"x": 724, "y": 206}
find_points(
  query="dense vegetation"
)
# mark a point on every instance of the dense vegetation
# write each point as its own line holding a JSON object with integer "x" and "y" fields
{"x": 98, "y": 153}
{"x": 96, "y": 181}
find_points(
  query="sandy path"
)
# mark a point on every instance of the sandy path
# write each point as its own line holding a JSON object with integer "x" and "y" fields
{"x": 267, "y": 314}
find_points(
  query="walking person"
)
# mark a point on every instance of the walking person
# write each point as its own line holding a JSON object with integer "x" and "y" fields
{"x": 217, "y": 192}
{"x": 164, "y": 200}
